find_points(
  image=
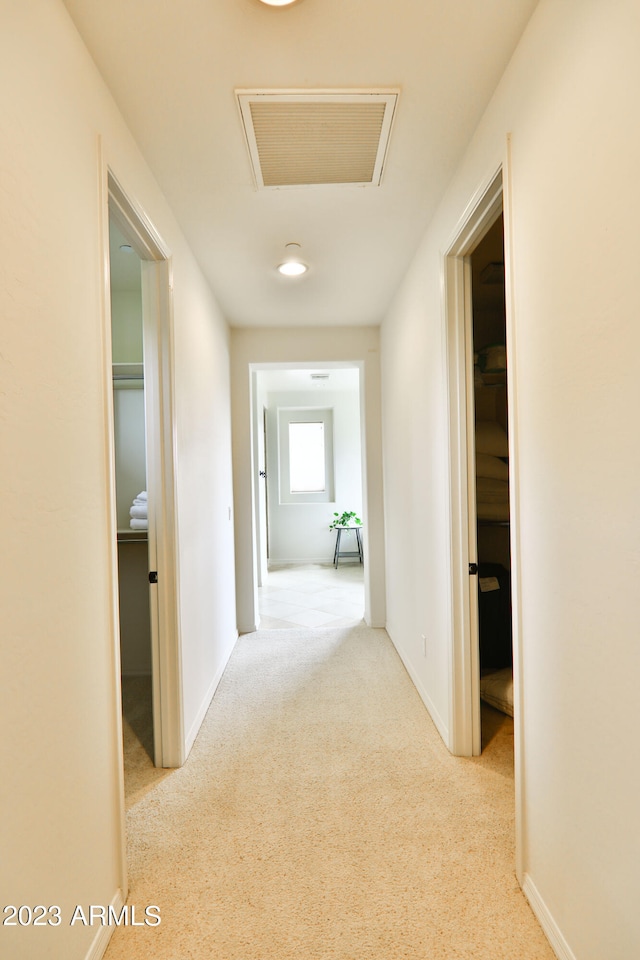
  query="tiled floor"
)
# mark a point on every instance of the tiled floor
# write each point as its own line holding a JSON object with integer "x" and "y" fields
{"x": 312, "y": 595}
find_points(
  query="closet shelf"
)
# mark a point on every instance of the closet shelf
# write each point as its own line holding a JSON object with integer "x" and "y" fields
{"x": 128, "y": 371}
{"x": 133, "y": 536}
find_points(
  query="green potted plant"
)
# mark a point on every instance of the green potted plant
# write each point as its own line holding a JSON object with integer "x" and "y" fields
{"x": 347, "y": 518}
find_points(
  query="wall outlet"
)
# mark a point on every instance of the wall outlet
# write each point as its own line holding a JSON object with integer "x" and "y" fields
{"x": 424, "y": 643}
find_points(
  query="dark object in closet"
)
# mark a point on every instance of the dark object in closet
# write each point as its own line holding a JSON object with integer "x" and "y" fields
{"x": 494, "y": 616}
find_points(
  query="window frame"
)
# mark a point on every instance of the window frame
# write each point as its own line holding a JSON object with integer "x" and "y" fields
{"x": 287, "y": 415}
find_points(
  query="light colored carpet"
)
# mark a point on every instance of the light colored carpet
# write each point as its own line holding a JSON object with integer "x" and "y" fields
{"x": 320, "y": 817}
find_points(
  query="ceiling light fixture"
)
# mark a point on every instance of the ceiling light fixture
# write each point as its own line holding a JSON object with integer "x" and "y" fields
{"x": 292, "y": 265}
{"x": 278, "y": 3}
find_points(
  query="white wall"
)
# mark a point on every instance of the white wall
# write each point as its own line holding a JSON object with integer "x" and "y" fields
{"x": 130, "y": 448}
{"x": 60, "y": 809}
{"x": 205, "y": 493}
{"x": 569, "y": 98}
{"x": 355, "y": 346}
{"x": 128, "y": 396}
{"x": 126, "y": 323}
{"x": 300, "y": 531}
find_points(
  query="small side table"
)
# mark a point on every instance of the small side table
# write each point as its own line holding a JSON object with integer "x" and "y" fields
{"x": 352, "y": 553}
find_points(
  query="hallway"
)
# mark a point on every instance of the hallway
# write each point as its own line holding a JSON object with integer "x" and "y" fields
{"x": 320, "y": 816}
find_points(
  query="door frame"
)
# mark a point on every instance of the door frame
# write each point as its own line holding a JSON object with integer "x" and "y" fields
{"x": 157, "y": 310}
{"x": 260, "y": 504}
{"x": 465, "y": 666}
{"x": 493, "y": 197}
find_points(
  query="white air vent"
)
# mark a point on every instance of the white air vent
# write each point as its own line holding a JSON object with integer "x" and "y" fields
{"x": 317, "y": 138}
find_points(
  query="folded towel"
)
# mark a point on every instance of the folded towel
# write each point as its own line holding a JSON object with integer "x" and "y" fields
{"x": 137, "y": 524}
{"x": 142, "y": 495}
{"x": 139, "y": 511}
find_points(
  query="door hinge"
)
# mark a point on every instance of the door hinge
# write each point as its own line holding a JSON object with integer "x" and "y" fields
{"x": 473, "y": 569}
{"x": 153, "y": 576}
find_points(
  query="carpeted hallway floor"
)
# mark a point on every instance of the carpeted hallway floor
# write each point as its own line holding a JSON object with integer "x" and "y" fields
{"x": 320, "y": 817}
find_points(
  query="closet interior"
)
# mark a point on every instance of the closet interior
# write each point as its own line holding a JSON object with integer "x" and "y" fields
{"x": 492, "y": 471}
{"x": 131, "y": 486}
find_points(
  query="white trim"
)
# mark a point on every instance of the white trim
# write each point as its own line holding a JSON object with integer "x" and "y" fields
{"x": 495, "y": 194}
{"x": 284, "y": 417}
{"x": 111, "y": 519}
{"x": 374, "y": 603}
{"x": 133, "y": 220}
{"x": 103, "y": 935}
{"x": 206, "y": 701}
{"x": 461, "y": 720}
{"x": 321, "y": 561}
{"x": 546, "y": 920}
{"x": 472, "y": 514}
{"x": 157, "y": 290}
{"x": 514, "y": 512}
{"x": 163, "y": 524}
{"x": 479, "y": 215}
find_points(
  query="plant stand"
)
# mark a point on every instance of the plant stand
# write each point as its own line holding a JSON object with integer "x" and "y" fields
{"x": 352, "y": 553}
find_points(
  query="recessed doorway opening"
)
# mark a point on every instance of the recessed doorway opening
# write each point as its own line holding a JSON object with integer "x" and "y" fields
{"x": 307, "y": 425}
{"x": 479, "y": 340}
{"x": 490, "y": 452}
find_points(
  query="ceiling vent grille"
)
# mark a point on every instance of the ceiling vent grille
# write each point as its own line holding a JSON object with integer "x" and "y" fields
{"x": 314, "y": 138}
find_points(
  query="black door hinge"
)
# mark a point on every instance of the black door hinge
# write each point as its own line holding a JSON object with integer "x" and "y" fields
{"x": 153, "y": 576}
{"x": 473, "y": 569}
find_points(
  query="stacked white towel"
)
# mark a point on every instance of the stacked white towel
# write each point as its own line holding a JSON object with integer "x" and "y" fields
{"x": 138, "y": 512}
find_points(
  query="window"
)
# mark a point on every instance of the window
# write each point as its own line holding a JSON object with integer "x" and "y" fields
{"x": 306, "y": 457}
{"x": 305, "y": 441}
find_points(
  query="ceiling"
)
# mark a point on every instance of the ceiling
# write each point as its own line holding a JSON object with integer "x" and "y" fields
{"x": 124, "y": 262}
{"x": 174, "y": 68}
{"x": 343, "y": 379}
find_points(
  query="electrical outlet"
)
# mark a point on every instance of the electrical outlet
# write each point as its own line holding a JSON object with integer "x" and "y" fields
{"x": 424, "y": 643}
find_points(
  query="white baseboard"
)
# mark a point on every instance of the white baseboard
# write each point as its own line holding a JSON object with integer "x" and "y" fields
{"x": 100, "y": 943}
{"x": 558, "y": 943}
{"x": 325, "y": 561}
{"x": 441, "y": 726}
{"x": 206, "y": 702}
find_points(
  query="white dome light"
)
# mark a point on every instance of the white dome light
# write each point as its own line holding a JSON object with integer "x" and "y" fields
{"x": 292, "y": 268}
{"x": 278, "y": 3}
{"x": 293, "y": 265}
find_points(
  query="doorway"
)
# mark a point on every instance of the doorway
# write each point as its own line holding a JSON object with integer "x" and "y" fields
{"x": 490, "y": 453}
{"x": 134, "y": 563}
{"x": 498, "y": 538}
{"x": 143, "y": 472}
{"x": 318, "y": 410}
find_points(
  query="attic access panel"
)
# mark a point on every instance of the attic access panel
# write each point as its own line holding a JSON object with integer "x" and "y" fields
{"x": 315, "y": 138}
